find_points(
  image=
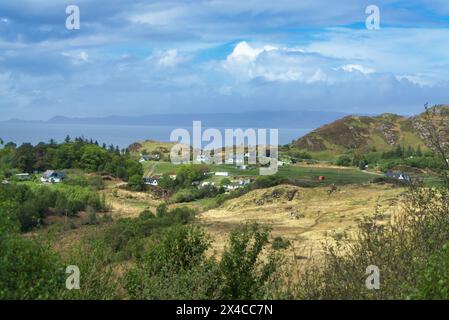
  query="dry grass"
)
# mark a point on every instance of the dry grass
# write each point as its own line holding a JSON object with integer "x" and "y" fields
{"x": 306, "y": 217}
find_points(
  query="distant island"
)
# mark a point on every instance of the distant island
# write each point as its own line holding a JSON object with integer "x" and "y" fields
{"x": 255, "y": 119}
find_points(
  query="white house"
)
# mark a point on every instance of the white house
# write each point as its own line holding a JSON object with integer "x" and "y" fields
{"x": 207, "y": 183}
{"x": 231, "y": 187}
{"x": 244, "y": 182}
{"x": 222, "y": 174}
{"x": 144, "y": 158}
{"x": 51, "y": 176}
{"x": 151, "y": 182}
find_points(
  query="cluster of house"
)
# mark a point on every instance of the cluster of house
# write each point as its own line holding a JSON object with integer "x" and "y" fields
{"x": 235, "y": 184}
{"x": 49, "y": 176}
{"x": 399, "y": 175}
{"x": 146, "y": 157}
{"x": 154, "y": 180}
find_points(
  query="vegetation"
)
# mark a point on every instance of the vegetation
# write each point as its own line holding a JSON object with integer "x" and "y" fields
{"x": 80, "y": 154}
{"x": 406, "y": 252}
{"x": 30, "y": 205}
{"x": 166, "y": 254}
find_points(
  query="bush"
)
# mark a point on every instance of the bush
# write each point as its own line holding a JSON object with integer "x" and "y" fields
{"x": 98, "y": 280}
{"x": 344, "y": 161}
{"x": 126, "y": 236}
{"x": 29, "y": 270}
{"x": 407, "y": 252}
{"x": 174, "y": 268}
{"x": 91, "y": 216}
{"x": 161, "y": 210}
{"x": 136, "y": 183}
{"x": 279, "y": 243}
{"x": 245, "y": 274}
{"x": 186, "y": 195}
{"x": 392, "y": 181}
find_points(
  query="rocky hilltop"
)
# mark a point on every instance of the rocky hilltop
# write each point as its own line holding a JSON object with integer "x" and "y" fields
{"x": 366, "y": 133}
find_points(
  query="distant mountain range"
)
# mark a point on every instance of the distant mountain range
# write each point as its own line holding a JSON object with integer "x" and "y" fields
{"x": 261, "y": 119}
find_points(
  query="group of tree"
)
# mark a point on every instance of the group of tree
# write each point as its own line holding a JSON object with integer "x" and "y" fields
{"x": 79, "y": 153}
{"x": 387, "y": 160}
{"x": 402, "y": 152}
{"x": 29, "y": 206}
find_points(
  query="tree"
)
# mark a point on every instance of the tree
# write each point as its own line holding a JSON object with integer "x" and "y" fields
{"x": 344, "y": 161}
{"x": 186, "y": 174}
{"x": 362, "y": 164}
{"x": 175, "y": 267}
{"x": 136, "y": 183}
{"x": 245, "y": 273}
{"x": 29, "y": 269}
{"x": 225, "y": 182}
{"x": 24, "y": 157}
{"x": 419, "y": 152}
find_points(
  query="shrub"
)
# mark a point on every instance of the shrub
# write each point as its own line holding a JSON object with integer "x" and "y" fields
{"x": 174, "y": 268}
{"x": 245, "y": 274}
{"x": 98, "y": 280}
{"x": 91, "y": 216}
{"x": 344, "y": 161}
{"x": 136, "y": 183}
{"x": 29, "y": 270}
{"x": 406, "y": 251}
{"x": 161, "y": 210}
{"x": 126, "y": 236}
{"x": 279, "y": 243}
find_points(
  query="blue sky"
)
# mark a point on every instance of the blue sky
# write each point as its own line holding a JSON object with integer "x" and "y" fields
{"x": 141, "y": 57}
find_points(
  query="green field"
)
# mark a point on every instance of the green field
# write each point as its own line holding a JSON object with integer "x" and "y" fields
{"x": 332, "y": 175}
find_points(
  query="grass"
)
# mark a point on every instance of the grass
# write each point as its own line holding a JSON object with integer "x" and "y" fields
{"x": 339, "y": 176}
{"x": 332, "y": 175}
{"x": 308, "y": 219}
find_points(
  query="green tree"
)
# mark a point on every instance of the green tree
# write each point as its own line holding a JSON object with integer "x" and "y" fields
{"x": 136, "y": 183}
{"x": 175, "y": 267}
{"x": 245, "y": 274}
{"x": 186, "y": 174}
{"x": 362, "y": 164}
{"x": 343, "y": 161}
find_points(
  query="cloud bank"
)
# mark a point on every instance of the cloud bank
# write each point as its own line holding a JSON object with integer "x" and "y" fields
{"x": 139, "y": 57}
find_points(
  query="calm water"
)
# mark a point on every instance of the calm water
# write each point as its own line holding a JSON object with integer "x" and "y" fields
{"x": 109, "y": 134}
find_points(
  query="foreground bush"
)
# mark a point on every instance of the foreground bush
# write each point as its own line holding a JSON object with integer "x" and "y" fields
{"x": 28, "y": 268}
{"x": 177, "y": 267}
{"x": 409, "y": 252}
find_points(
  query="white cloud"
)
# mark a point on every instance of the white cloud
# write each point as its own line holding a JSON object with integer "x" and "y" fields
{"x": 77, "y": 57}
{"x": 282, "y": 64}
{"x": 243, "y": 52}
{"x": 170, "y": 58}
{"x": 356, "y": 67}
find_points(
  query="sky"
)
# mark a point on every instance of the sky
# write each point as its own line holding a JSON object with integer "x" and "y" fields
{"x": 138, "y": 57}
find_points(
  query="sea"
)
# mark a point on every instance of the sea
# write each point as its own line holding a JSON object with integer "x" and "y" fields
{"x": 121, "y": 135}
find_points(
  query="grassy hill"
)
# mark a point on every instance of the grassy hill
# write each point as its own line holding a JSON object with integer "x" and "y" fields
{"x": 365, "y": 134}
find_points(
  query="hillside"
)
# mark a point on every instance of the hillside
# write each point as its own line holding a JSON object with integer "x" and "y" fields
{"x": 306, "y": 217}
{"x": 365, "y": 133}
